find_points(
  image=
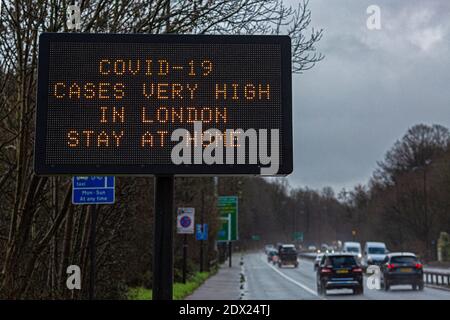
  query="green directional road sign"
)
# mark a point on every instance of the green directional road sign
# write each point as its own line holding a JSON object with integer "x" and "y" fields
{"x": 228, "y": 212}
{"x": 298, "y": 236}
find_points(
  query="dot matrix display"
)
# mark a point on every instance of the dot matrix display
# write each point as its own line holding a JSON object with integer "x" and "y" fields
{"x": 108, "y": 104}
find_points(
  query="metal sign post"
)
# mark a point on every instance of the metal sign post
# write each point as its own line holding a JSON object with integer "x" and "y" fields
{"x": 230, "y": 253}
{"x": 201, "y": 234}
{"x": 202, "y": 221}
{"x": 163, "y": 239}
{"x": 185, "y": 226}
{"x": 185, "y": 245}
{"x": 93, "y": 190}
{"x": 228, "y": 212}
{"x": 92, "y": 251}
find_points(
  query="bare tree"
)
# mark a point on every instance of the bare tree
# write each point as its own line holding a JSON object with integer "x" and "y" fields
{"x": 40, "y": 231}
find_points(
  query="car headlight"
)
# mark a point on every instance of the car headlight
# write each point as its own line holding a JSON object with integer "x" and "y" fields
{"x": 359, "y": 255}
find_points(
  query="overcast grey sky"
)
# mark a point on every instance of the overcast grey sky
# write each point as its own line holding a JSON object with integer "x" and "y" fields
{"x": 371, "y": 87}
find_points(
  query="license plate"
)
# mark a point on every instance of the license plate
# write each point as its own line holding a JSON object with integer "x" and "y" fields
{"x": 405, "y": 270}
{"x": 342, "y": 271}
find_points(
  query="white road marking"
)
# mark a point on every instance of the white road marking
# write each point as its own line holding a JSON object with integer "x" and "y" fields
{"x": 301, "y": 285}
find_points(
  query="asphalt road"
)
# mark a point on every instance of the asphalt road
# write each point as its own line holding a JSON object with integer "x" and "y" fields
{"x": 265, "y": 281}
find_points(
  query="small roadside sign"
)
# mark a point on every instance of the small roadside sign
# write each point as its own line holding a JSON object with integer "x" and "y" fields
{"x": 201, "y": 231}
{"x": 93, "y": 190}
{"x": 298, "y": 236}
{"x": 185, "y": 220}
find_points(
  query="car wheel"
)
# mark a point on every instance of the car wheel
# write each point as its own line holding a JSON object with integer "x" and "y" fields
{"x": 386, "y": 285}
{"x": 357, "y": 291}
{"x": 320, "y": 290}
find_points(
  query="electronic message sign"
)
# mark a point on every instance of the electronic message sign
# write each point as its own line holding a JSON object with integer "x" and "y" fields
{"x": 112, "y": 104}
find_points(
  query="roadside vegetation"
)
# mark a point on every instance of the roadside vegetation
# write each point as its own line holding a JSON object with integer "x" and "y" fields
{"x": 180, "y": 290}
{"x": 41, "y": 232}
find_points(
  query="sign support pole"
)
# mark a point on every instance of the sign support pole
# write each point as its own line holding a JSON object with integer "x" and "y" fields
{"x": 92, "y": 250}
{"x": 229, "y": 253}
{"x": 163, "y": 239}
{"x": 185, "y": 245}
{"x": 202, "y": 226}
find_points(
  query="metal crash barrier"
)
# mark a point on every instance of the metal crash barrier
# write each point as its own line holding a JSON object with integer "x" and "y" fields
{"x": 436, "y": 278}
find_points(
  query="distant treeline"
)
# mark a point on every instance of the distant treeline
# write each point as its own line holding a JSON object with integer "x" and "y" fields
{"x": 406, "y": 203}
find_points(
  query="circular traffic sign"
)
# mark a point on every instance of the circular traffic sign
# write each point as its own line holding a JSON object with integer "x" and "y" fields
{"x": 185, "y": 221}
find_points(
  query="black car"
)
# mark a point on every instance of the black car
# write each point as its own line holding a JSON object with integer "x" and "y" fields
{"x": 402, "y": 268}
{"x": 287, "y": 255}
{"x": 339, "y": 271}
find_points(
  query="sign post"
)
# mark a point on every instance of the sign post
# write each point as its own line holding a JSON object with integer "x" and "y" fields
{"x": 202, "y": 221}
{"x": 92, "y": 251}
{"x": 163, "y": 239}
{"x": 185, "y": 226}
{"x": 201, "y": 234}
{"x": 93, "y": 191}
{"x": 228, "y": 212}
{"x": 136, "y": 104}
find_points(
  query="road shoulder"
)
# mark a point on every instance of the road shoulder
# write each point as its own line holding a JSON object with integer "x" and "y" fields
{"x": 224, "y": 285}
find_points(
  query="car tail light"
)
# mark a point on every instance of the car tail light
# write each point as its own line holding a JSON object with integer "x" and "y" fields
{"x": 325, "y": 270}
{"x": 357, "y": 270}
{"x": 390, "y": 266}
{"x": 419, "y": 266}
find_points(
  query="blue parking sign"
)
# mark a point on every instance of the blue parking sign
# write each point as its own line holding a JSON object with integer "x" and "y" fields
{"x": 201, "y": 232}
{"x": 93, "y": 190}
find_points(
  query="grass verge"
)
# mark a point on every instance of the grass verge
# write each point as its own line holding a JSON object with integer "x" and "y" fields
{"x": 180, "y": 290}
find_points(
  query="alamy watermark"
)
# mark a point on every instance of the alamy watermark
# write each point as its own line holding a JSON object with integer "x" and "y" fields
{"x": 213, "y": 146}
{"x": 373, "y": 281}
{"x": 73, "y": 17}
{"x": 74, "y": 279}
{"x": 374, "y": 20}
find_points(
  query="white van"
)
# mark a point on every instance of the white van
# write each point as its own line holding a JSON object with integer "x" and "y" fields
{"x": 352, "y": 247}
{"x": 374, "y": 253}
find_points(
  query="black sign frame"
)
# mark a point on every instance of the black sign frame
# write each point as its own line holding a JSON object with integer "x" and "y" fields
{"x": 41, "y": 168}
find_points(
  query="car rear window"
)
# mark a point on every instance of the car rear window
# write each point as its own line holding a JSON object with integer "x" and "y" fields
{"x": 288, "y": 250}
{"x": 353, "y": 249}
{"x": 342, "y": 261}
{"x": 401, "y": 259}
{"x": 377, "y": 250}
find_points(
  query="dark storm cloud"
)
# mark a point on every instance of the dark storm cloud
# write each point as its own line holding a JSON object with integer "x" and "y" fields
{"x": 371, "y": 87}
